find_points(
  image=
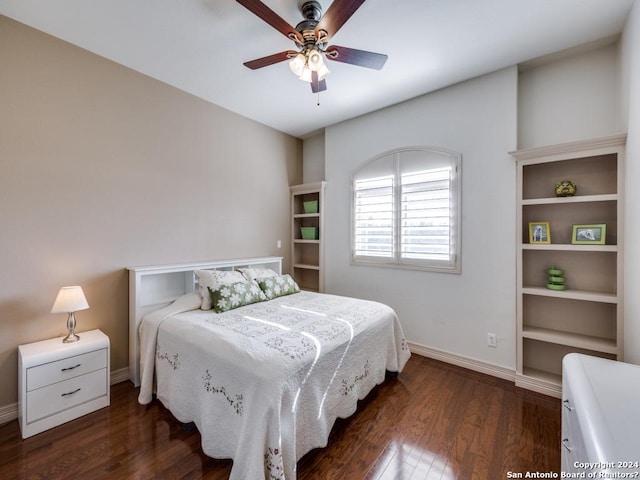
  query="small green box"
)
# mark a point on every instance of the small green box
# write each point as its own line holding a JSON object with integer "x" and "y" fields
{"x": 311, "y": 206}
{"x": 309, "y": 233}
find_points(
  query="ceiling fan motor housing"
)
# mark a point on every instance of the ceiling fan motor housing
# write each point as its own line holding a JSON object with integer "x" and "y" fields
{"x": 311, "y": 10}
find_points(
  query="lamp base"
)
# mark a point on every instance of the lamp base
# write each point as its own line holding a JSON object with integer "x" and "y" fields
{"x": 71, "y": 326}
{"x": 71, "y": 338}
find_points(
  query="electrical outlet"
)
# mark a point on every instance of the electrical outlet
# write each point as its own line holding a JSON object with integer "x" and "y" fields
{"x": 279, "y": 244}
{"x": 492, "y": 340}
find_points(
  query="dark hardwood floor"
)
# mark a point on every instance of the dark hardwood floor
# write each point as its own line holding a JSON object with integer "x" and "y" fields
{"x": 435, "y": 421}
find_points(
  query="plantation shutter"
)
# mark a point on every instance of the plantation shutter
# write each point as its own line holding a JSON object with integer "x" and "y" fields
{"x": 373, "y": 227}
{"x": 406, "y": 209}
{"x": 425, "y": 221}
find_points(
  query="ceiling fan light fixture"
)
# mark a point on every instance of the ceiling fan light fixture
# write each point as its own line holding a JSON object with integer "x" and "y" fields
{"x": 311, "y": 37}
{"x": 297, "y": 64}
{"x": 323, "y": 71}
{"x": 305, "y": 76}
{"x": 314, "y": 59}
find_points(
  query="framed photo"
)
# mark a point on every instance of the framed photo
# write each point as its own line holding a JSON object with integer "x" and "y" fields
{"x": 589, "y": 234}
{"x": 539, "y": 232}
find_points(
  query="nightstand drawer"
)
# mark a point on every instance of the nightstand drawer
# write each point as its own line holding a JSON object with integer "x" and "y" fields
{"x": 61, "y": 370}
{"x": 64, "y": 395}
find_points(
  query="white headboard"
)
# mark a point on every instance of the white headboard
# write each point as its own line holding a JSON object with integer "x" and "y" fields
{"x": 155, "y": 287}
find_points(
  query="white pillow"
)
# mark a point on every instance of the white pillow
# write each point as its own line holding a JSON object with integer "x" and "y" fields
{"x": 257, "y": 273}
{"x": 214, "y": 279}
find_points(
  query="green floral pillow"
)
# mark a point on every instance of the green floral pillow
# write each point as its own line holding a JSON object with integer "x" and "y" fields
{"x": 278, "y": 286}
{"x": 235, "y": 295}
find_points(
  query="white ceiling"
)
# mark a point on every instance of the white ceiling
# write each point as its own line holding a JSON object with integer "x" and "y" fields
{"x": 199, "y": 46}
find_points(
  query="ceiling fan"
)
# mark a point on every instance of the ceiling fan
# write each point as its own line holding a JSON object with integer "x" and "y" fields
{"x": 311, "y": 37}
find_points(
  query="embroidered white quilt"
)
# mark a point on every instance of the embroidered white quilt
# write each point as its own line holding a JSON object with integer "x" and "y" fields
{"x": 264, "y": 383}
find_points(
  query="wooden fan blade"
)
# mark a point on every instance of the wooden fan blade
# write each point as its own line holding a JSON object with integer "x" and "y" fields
{"x": 337, "y": 15}
{"x": 270, "y": 60}
{"x": 272, "y": 18}
{"x": 361, "y": 58}
{"x": 317, "y": 85}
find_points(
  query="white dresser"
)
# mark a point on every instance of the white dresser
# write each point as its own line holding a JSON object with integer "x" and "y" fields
{"x": 58, "y": 382}
{"x": 600, "y": 417}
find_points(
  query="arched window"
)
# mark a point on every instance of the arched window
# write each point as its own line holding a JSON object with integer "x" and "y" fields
{"x": 406, "y": 210}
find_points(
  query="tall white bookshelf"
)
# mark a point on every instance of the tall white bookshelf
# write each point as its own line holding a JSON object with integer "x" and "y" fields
{"x": 586, "y": 317}
{"x": 308, "y": 253}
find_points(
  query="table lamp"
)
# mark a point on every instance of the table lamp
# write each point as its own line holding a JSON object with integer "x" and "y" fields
{"x": 70, "y": 300}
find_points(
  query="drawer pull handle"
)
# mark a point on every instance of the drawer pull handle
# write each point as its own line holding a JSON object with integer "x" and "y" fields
{"x": 566, "y": 405}
{"x": 565, "y": 444}
{"x": 70, "y": 368}
{"x": 70, "y": 393}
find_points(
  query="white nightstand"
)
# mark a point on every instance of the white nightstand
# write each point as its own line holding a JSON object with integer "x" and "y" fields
{"x": 58, "y": 382}
{"x": 600, "y": 418}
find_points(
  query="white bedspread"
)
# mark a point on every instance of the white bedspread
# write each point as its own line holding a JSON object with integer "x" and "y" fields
{"x": 265, "y": 383}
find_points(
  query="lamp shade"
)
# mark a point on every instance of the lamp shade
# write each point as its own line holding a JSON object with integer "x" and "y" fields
{"x": 314, "y": 60}
{"x": 305, "y": 76}
{"x": 70, "y": 299}
{"x": 323, "y": 71}
{"x": 297, "y": 64}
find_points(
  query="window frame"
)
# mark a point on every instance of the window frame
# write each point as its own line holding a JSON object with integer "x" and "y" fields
{"x": 453, "y": 265}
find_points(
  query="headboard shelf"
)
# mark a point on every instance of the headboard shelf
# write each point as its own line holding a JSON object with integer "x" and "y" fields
{"x": 156, "y": 286}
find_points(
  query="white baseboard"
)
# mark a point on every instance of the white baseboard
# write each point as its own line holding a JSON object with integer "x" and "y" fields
{"x": 8, "y": 413}
{"x": 539, "y": 385}
{"x": 464, "y": 362}
{"x": 118, "y": 376}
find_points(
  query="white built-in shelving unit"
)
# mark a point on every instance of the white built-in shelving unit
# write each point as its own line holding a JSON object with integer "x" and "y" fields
{"x": 307, "y": 254}
{"x": 587, "y": 317}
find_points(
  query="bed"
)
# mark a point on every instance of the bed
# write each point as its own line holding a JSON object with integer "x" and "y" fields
{"x": 263, "y": 382}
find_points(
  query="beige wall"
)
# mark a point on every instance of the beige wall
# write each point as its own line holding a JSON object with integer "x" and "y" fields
{"x": 102, "y": 168}
{"x": 568, "y": 97}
